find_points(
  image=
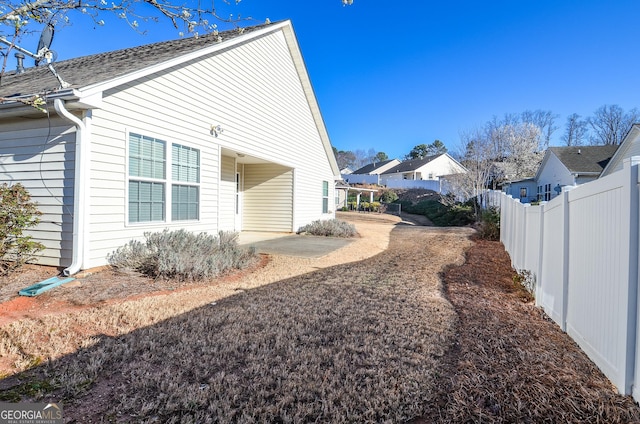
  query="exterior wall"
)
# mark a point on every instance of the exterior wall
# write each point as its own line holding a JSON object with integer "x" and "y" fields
{"x": 40, "y": 154}
{"x": 227, "y": 200}
{"x": 514, "y": 190}
{"x": 273, "y": 123}
{"x": 442, "y": 165}
{"x": 629, "y": 148}
{"x": 554, "y": 173}
{"x": 268, "y": 198}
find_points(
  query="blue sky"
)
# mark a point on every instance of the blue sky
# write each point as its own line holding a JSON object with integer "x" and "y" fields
{"x": 391, "y": 75}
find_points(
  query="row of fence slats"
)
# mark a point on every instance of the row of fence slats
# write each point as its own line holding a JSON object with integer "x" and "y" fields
{"x": 582, "y": 249}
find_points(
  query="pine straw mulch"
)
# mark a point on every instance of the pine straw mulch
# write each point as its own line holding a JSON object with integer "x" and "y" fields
{"x": 510, "y": 362}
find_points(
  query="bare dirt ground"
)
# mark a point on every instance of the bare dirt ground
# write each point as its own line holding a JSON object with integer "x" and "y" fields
{"x": 395, "y": 327}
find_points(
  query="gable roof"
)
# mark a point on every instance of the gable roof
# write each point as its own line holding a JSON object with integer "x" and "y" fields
{"x": 90, "y": 76}
{"x": 372, "y": 167}
{"x": 94, "y": 69}
{"x": 625, "y": 150}
{"x": 584, "y": 159}
{"x": 412, "y": 164}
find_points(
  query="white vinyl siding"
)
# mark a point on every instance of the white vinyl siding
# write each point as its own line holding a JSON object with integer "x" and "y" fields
{"x": 42, "y": 159}
{"x": 274, "y": 124}
{"x": 268, "y": 198}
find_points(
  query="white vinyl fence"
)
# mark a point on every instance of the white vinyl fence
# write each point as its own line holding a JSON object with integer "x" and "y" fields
{"x": 425, "y": 184}
{"x": 582, "y": 248}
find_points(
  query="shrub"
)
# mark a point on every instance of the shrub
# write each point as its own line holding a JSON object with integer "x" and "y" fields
{"x": 440, "y": 214}
{"x": 329, "y": 228}
{"x": 489, "y": 225}
{"x": 17, "y": 213}
{"x": 388, "y": 196}
{"x": 183, "y": 255}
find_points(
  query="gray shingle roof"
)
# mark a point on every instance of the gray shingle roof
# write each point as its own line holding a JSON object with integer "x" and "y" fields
{"x": 88, "y": 70}
{"x": 585, "y": 159}
{"x": 371, "y": 167}
{"x": 411, "y": 165}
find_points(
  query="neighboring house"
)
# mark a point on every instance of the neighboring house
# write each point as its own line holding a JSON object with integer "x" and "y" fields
{"x": 205, "y": 134}
{"x": 570, "y": 166}
{"x": 346, "y": 171}
{"x": 377, "y": 167}
{"x": 629, "y": 147}
{"x": 429, "y": 168}
{"x": 369, "y": 174}
{"x": 524, "y": 189}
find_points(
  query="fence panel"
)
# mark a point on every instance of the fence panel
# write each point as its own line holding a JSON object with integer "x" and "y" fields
{"x": 583, "y": 248}
{"x": 425, "y": 184}
{"x": 551, "y": 285}
{"x": 599, "y": 313}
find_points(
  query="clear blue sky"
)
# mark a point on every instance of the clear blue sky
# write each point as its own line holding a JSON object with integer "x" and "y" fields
{"x": 391, "y": 75}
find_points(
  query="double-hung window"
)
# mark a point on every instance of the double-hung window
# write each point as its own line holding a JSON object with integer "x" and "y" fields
{"x": 147, "y": 178}
{"x": 325, "y": 197}
{"x": 149, "y": 162}
{"x": 185, "y": 190}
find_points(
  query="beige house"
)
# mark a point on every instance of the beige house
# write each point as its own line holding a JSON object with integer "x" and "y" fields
{"x": 205, "y": 134}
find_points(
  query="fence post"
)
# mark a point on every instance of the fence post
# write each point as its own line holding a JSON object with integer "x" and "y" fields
{"x": 539, "y": 269}
{"x": 565, "y": 256}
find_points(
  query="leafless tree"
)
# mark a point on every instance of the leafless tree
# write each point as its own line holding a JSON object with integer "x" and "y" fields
{"x": 478, "y": 156}
{"x": 545, "y": 121}
{"x": 576, "y": 130}
{"x": 610, "y": 124}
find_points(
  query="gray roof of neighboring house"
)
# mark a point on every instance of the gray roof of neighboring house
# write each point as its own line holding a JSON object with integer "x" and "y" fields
{"x": 411, "y": 165}
{"x": 371, "y": 167}
{"x": 585, "y": 159}
{"x": 88, "y": 70}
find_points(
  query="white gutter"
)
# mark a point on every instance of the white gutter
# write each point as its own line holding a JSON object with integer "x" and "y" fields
{"x": 80, "y": 204}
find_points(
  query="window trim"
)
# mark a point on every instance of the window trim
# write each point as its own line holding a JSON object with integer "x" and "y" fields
{"x": 168, "y": 181}
{"x": 325, "y": 196}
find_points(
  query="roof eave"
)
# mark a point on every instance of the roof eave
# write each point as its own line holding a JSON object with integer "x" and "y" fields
{"x": 74, "y": 99}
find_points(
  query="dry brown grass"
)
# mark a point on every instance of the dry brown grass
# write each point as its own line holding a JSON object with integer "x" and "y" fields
{"x": 347, "y": 338}
{"x": 349, "y": 343}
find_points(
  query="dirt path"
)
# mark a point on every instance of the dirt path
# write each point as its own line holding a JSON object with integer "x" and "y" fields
{"x": 353, "y": 337}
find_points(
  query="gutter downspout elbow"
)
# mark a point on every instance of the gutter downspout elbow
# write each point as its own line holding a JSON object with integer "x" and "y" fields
{"x": 79, "y": 184}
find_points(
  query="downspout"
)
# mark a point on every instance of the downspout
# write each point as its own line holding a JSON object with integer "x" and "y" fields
{"x": 80, "y": 181}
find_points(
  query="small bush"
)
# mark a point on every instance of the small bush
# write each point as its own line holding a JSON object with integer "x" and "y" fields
{"x": 440, "y": 214}
{"x": 388, "y": 196}
{"x": 17, "y": 213}
{"x": 329, "y": 228}
{"x": 489, "y": 225}
{"x": 183, "y": 255}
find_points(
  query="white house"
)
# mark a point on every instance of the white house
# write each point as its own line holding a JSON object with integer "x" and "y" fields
{"x": 377, "y": 168}
{"x": 629, "y": 147}
{"x": 570, "y": 166}
{"x": 429, "y": 168}
{"x": 205, "y": 134}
